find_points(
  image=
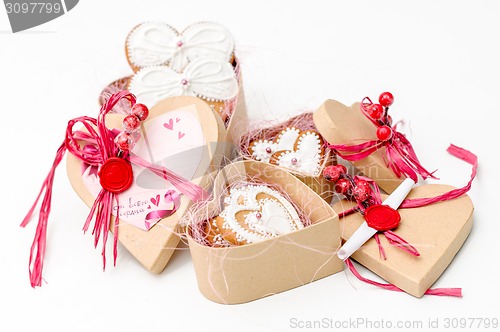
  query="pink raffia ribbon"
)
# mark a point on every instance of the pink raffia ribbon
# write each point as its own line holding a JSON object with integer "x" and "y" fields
{"x": 93, "y": 148}
{"x": 399, "y": 153}
{"x": 396, "y": 240}
{"x": 454, "y": 292}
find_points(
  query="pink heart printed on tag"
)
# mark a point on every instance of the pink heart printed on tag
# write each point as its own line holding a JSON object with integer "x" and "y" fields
{"x": 162, "y": 147}
{"x": 169, "y": 125}
{"x": 156, "y": 200}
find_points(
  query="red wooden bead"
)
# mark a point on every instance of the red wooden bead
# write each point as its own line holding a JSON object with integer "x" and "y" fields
{"x": 386, "y": 99}
{"x": 141, "y": 111}
{"x": 342, "y": 169}
{"x": 361, "y": 191}
{"x": 131, "y": 123}
{"x": 375, "y": 111}
{"x": 333, "y": 172}
{"x": 384, "y": 133}
{"x": 343, "y": 186}
{"x": 122, "y": 141}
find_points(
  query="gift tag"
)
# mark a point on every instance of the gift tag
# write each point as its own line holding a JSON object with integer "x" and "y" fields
{"x": 437, "y": 231}
{"x": 181, "y": 134}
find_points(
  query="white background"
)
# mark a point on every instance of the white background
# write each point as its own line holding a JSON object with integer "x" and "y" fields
{"x": 439, "y": 58}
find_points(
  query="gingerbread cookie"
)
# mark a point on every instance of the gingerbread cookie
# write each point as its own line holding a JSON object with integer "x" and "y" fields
{"x": 300, "y": 151}
{"x": 252, "y": 213}
{"x": 155, "y": 43}
{"x": 212, "y": 80}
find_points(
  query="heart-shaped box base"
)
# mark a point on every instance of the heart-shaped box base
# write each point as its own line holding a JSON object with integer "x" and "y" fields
{"x": 437, "y": 231}
{"x": 153, "y": 248}
{"x": 245, "y": 273}
{"x": 340, "y": 124}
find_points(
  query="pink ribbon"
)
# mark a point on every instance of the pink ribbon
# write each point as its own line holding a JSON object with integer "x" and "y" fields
{"x": 455, "y": 292}
{"x": 396, "y": 240}
{"x": 399, "y": 153}
{"x": 102, "y": 148}
{"x": 152, "y": 217}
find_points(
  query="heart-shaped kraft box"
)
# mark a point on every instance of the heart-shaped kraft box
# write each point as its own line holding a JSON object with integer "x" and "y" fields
{"x": 341, "y": 124}
{"x": 182, "y": 134}
{"x": 437, "y": 231}
{"x": 244, "y": 273}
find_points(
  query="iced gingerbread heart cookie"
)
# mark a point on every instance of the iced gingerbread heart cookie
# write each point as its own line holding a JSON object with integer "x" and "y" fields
{"x": 263, "y": 150}
{"x": 156, "y": 43}
{"x": 300, "y": 151}
{"x": 252, "y": 213}
{"x": 210, "y": 79}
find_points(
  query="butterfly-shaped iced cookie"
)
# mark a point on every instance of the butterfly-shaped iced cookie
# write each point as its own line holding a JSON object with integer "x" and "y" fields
{"x": 300, "y": 151}
{"x": 252, "y": 213}
{"x": 156, "y": 43}
{"x": 209, "y": 79}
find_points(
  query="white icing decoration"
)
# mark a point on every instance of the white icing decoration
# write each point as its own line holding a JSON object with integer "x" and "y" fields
{"x": 151, "y": 44}
{"x": 260, "y": 150}
{"x": 278, "y": 216}
{"x": 205, "y": 78}
{"x": 286, "y": 140}
{"x": 307, "y": 155}
{"x": 157, "y": 44}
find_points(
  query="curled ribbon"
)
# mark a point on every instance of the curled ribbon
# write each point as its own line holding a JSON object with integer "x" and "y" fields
{"x": 94, "y": 147}
{"x": 396, "y": 240}
{"x": 400, "y": 155}
{"x": 172, "y": 198}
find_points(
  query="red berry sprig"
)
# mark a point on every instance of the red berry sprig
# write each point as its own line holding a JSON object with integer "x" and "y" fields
{"x": 126, "y": 140}
{"x": 378, "y": 114}
{"x": 354, "y": 189}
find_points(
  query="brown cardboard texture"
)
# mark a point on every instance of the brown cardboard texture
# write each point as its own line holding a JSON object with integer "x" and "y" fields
{"x": 245, "y": 273}
{"x": 437, "y": 231}
{"x": 340, "y": 124}
{"x": 153, "y": 248}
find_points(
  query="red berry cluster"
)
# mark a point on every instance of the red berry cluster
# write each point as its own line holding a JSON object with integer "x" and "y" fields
{"x": 354, "y": 189}
{"x": 378, "y": 114}
{"x": 131, "y": 123}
